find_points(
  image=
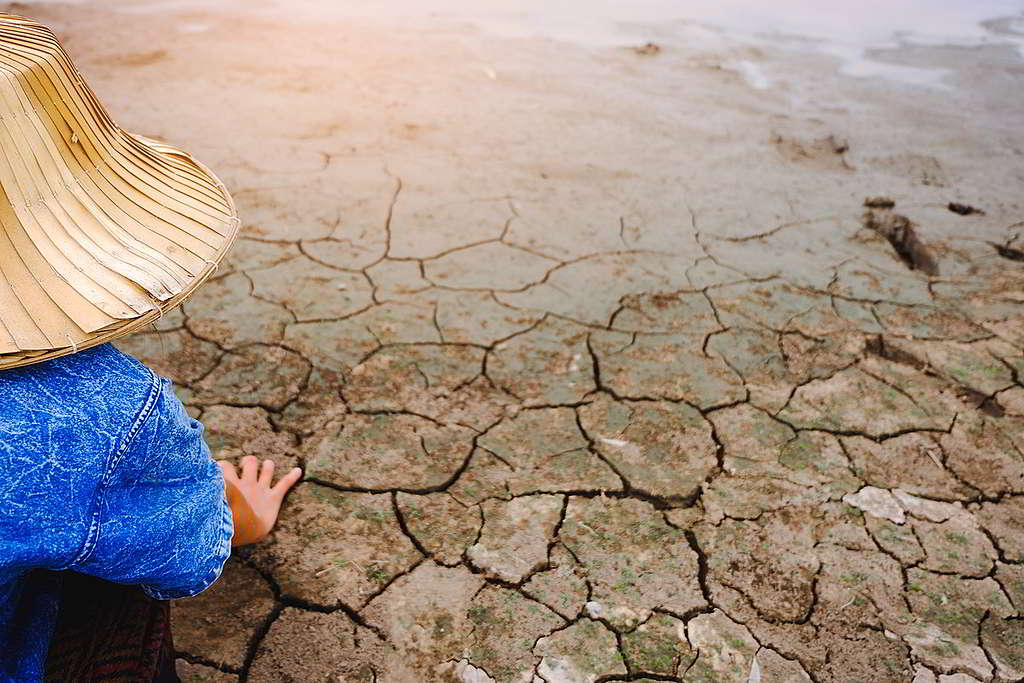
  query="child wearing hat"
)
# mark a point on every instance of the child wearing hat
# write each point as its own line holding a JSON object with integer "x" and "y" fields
{"x": 111, "y": 503}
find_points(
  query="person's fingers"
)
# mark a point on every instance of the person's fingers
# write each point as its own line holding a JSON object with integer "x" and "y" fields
{"x": 250, "y": 465}
{"x": 287, "y": 481}
{"x": 266, "y": 472}
{"x": 228, "y": 469}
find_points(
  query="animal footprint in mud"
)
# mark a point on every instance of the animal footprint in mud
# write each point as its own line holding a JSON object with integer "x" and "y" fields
{"x": 827, "y": 153}
{"x": 901, "y": 234}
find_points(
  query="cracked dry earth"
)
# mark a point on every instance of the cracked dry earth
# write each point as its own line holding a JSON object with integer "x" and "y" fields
{"x": 602, "y": 364}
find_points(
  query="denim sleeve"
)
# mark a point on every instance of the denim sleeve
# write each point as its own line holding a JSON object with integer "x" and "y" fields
{"x": 164, "y": 520}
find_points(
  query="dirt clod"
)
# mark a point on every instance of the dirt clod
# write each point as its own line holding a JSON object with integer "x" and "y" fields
{"x": 964, "y": 209}
{"x": 879, "y": 202}
{"x": 902, "y": 235}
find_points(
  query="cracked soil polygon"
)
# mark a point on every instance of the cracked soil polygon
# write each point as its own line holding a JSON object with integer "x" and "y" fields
{"x": 725, "y": 649}
{"x": 957, "y": 607}
{"x": 659, "y": 569}
{"x": 912, "y": 462}
{"x": 513, "y": 543}
{"x": 393, "y": 279}
{"x": 242, "y": 593}
{"x": 666, "y": 312}
{"x": 633, "y": 366}
{"x": 503, "y": 627}
{"x": 440, "y": 381}
{"x": 562, "y": 586}
{"x": 426, "y": 222}
{"x": 658, "y": 646}
{"x": 425, "y": 616}
{"x": 478, "y": 318}
{"x": 312, "y": 291}
{"x": 1011, "y": 579}
{"x": 756, "y": 356}
{"x": 986, "y": 453}
{"x": 318, "y": 405}
{"x": 898, "y": 541}
{"x": 1004, "y": 522}
{"x": 334, "y": 346}
{"x": 935, "y": 648}
{"x": 853, "y": 401}
{"x": 855, "y": 588}
{"x": 589, "y": 290}
{"x": 1004, "y": 640}
{"x": 581, "y": 653}
{"x": 774, "y": 667}
{"x": 547, "y": 365}
{"x": 543, "y": 450}
{"x": 661, "y": 448}
{"x": 231, "y": 317}
{"x": 268, "y": 376}
{"x": 233, "y": 433}
{"x": 310, "y": 646}
{"x": 957, "y": 545}
{"x": 491, "y": 266}
{"x": 334, "y": 547}
{"x": 780, "y": 588}
{"x": 442, "y": 525}
{"x": 175, "y": 354}
{"x": 416, "y": 453}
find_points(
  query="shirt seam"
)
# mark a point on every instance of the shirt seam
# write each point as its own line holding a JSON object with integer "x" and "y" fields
{"x": 92, "y": 536}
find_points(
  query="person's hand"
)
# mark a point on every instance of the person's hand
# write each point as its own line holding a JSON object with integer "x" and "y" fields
{"x": 254, "y": 502}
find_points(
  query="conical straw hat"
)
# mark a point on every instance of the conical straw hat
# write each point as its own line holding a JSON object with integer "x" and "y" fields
{"x": 101, "y": 231}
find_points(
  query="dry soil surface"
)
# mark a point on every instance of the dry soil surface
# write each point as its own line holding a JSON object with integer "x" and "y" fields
{"x": 604, "y": 363}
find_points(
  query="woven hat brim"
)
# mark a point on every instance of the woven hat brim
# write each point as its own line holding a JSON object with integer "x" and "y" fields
{"x": 101, "y": 232}
{"x": 8, "y": 361}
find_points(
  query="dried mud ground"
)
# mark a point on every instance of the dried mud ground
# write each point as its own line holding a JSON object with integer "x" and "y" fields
{"x": 603, "y": 365}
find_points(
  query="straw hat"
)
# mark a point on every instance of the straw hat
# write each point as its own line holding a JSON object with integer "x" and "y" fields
{"x": 101, "y": 231}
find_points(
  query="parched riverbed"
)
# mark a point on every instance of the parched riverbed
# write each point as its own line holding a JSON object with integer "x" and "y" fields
{"x": 613, "y": 350}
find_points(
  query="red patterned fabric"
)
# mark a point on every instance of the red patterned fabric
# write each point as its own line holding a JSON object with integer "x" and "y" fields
{"x": 111, "y": 633}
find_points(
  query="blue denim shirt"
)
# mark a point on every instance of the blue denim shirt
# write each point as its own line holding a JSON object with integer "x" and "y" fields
{"x": 101, "y": 472}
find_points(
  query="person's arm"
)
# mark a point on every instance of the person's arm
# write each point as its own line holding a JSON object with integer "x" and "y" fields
{"x": 254, "y": 502}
